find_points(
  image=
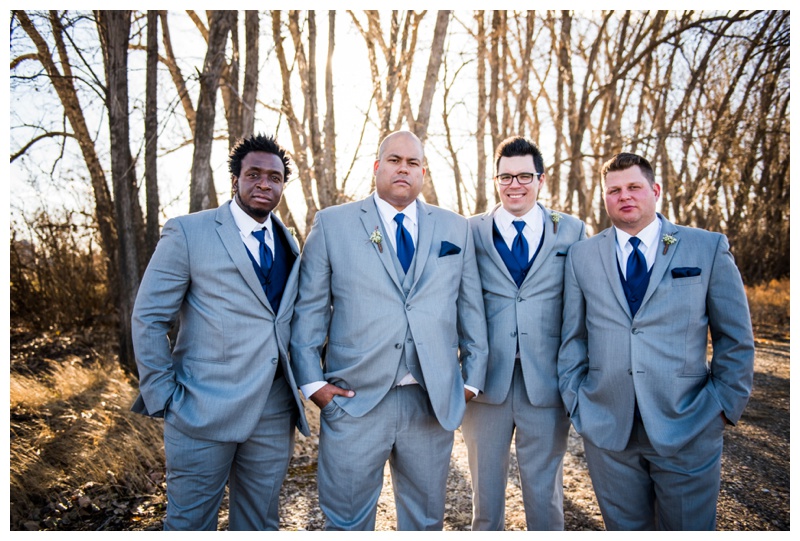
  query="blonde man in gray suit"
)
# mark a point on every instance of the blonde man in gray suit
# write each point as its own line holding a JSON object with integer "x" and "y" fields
{"x": 521, "y": 247}
{"x": 640, "y": 300}
{"x": 390, "y": 286}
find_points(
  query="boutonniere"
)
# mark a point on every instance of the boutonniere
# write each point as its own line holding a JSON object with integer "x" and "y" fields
{"x": 555, "y": 217}
{"x": 667, "y": 240}
{"x": 292, "y": 231}
{"x": 377, "y": 238}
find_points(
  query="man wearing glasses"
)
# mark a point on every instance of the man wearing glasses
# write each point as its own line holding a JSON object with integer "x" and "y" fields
{"x": 520, "y": 246}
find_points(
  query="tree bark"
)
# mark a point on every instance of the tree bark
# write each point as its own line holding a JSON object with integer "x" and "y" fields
{"x": 151, "y": 135}
{"x": 114, "y": 29}
{"x": 202, "y": 194}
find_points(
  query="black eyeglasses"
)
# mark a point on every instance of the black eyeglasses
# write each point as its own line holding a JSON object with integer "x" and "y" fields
{"x": 523, "y": 178}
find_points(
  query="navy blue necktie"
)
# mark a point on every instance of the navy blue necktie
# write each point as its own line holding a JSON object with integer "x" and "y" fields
{"x": 519, "y": 248}
{"x": 404, "y": 244}
{"x": 264, "y": 253}
{"x": 636, "y": 272}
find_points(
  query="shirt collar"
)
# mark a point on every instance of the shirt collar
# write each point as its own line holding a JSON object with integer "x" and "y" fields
{"x": 388, "y": 212}
{"x": 503, "y": 218}
{"x": 648, "y": 235}
{"x": 246, "y": 223}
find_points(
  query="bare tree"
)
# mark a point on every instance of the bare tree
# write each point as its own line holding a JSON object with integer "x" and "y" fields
{"x": 151, "y": 135}
{"x": 114, "y": 30}
{"x": 202, "y": 193}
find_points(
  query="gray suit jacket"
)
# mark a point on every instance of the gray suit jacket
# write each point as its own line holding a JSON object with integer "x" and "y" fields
{"x": 533, "y": 310}
{"x": 215, "y": 382}
{"x": 659, "y": 356}
{"x": 351, "y": 295}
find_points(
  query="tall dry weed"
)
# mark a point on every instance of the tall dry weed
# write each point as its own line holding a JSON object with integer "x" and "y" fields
{"x": 74, "y": 442}
{"x": 770, "y": 306}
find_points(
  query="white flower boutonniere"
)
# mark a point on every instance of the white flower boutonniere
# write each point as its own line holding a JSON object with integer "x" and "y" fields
{"x": 292, "y": 231}
{"x": 668, "y": 240}
{"x": 555, "y": 217}
{"x": 377, "y": 238}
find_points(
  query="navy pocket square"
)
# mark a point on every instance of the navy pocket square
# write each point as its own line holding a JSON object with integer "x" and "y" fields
{"x": 685, "y": 272}
{"x": 448, "y": 248}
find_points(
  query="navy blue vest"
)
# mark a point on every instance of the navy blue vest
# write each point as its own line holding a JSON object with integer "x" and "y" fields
{"x": 634, "y": 297}
{"x": 517, "y": 273}
{"x": 282, "y": 261}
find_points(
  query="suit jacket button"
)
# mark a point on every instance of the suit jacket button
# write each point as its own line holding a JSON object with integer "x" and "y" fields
{"x": 274, "y": 361}
{"x": 398, "y": 346}
{"x": 513, "y": 333}
{"x": 634, "y": 331}
{"x": 408, "y": 307}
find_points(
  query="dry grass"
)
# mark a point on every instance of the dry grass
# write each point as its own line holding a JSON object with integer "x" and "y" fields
{"x": 75, "y": 446}
{"x": 770, "y": 306}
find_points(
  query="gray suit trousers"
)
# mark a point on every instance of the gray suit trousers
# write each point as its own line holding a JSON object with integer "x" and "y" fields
{"x": 197, "y": 471}
{"x": 353, "y": 451}
{"x": 540, "y": 440}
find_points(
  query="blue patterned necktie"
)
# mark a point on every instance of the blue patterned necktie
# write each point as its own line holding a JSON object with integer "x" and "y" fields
{"x": 264, "y": 253}
{"x": 519, "y": 248}
{"x": 405, "y": 246}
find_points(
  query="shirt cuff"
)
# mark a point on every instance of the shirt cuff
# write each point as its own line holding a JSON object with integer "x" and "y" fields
{"x": 310, "y": 388}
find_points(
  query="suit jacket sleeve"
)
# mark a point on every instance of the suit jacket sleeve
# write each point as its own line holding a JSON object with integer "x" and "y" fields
{"x": 157, "y": 305}
{"x": 731, "y": 334}
{"x": 312, "y": 310}
{"x": 473, "y": 336}
{"x": 573, "y": 357}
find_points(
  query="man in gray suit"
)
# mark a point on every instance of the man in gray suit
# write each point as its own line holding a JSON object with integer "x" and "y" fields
{"x": 389, "y": 285}
{"x": 228, "y": 278}
{"x": 521, "y": 247}
{"x": 640, "y": 300}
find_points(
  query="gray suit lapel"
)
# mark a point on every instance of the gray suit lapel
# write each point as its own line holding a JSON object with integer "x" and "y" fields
{"x": 608, "y": 258}
{"x": 425, "y": 228}
{"x": 229, "y": 234}
{"x": 371, "y": 219}
{"x": 663, "y": 260}
{"x": 486, "y": 233}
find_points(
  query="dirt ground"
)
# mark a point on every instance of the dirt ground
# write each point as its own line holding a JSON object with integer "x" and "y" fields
{"x": 754, "y": 493}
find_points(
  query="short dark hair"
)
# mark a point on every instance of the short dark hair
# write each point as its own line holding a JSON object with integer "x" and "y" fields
{"x": 256, "y": 143}
{"x": 519, "y": 146}
{"x": 626, "y": 160}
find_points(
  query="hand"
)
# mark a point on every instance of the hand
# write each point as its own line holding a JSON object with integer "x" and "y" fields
{"x": 468, "y": 395}
{"x": 326, "y": 393}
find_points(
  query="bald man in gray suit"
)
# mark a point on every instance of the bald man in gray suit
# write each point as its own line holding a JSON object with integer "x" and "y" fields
{"x": 640, "y": 301}
{"x": 390, "y": 286}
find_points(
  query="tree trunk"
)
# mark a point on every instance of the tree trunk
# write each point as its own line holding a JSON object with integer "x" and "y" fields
{"x": 481, "y": 203}
{"x": 250, "y": 90}
{"x": 202, "y": 194}
{"x": 151, "y": 135}
{"x": 420, "y": 127}
{"x": 114, "y": 29}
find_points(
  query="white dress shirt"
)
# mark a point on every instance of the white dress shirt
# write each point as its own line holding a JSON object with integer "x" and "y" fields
{"x": 388, "y": 212}
{"x": 247, "y": 225}
{"x": 649, "y": 245}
